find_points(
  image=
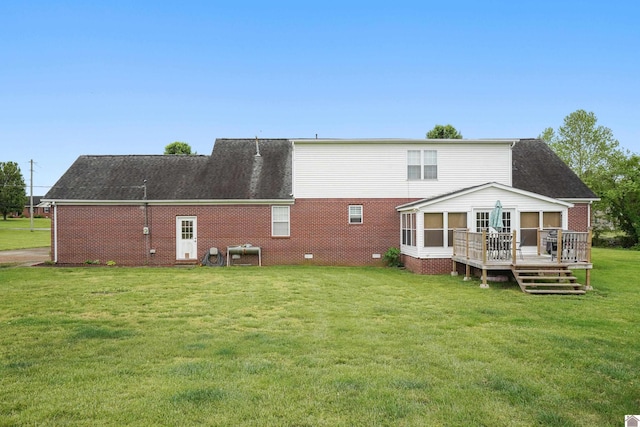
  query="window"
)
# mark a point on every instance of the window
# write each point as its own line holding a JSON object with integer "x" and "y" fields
{"x": 280, "y": 221}
{"x": 422, "y": 164}
{"x": 433, "y": 230}
{"x": 552, "y": 219}
{"x": 529, "y": 223}
{"x": 456, "y": 220}
{"x": 409, "y": 229}
{"x": 355, "y": 214}
{"x": 430, "y": 164}
{"x": 186, "y": 229}
{"x": 482, "y": 221}
{"x": 414, "y": 164}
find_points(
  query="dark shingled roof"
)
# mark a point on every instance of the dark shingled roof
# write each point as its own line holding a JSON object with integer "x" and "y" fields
{"x": 233, "y": 171}
{"x": 538, "y": 169}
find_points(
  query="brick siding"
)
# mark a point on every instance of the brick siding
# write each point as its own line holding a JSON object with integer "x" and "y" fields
{"x": 427, "y": 266}
{"x": 579, "y": 217}
{"x": 318, "y": 227}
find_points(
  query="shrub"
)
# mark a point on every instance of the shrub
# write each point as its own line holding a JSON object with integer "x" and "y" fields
{"x": 392, "y": 257}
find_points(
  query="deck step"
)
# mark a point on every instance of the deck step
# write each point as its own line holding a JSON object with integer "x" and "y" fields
{"x": 561, "y": 285}
{"x": 549, "y": 277}
{"x": 556, "y": 291}
{"x": 545, "y": 271}
{"x": 558, "y": 280}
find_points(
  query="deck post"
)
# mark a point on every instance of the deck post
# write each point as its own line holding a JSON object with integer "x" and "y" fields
{"x": 454, "y": 268}
{"x": 466, "y": 235}
{"x": 484, "y": 283}
{"x": 467, "y": 270}
{"x": 587, "y": 274}
{"x": 559, "y": 247}
{"x": 484, "y": 246}
{"x": 538, "y": 239}
{"x": 514, "y": 249}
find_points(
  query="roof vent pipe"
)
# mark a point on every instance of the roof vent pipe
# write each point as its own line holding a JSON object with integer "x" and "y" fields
{"x": 257, "y": 148}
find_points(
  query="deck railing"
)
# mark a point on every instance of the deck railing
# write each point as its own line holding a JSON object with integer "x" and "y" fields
{"x": 572, "y": 246}
{"x": 489, "y": 247}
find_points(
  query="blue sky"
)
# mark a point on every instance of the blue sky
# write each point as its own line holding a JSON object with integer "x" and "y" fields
{"x": 130, "y": 77}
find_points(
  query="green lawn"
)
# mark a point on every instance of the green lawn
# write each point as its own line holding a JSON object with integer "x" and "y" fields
{"x": 15, "y": 233}
{"x": 311, "y": 346}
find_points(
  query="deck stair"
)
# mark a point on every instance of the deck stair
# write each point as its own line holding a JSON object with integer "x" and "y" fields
{"x": 541, "y": 279}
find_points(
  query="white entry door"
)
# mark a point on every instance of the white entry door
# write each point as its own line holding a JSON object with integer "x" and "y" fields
{"x": 186, "y": 237}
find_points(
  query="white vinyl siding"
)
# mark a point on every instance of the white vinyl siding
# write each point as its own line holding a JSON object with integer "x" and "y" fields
{"x": 381, "y": 170}
{"x": 280, "y": 224}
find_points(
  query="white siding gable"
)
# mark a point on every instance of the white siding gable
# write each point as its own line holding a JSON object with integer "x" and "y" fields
{"x": 378, "y": 168}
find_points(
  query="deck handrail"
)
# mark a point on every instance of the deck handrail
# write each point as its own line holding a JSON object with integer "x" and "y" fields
{"x": 572, "y": 246}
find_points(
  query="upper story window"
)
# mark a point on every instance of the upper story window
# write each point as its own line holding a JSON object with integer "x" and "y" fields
{"x": 355, "y": 214}
{"x": 422, "y": 164}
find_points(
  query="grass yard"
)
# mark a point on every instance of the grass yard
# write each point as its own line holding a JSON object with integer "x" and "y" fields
{"x": 15, "y": 233}
{"x": 312, "y": 346}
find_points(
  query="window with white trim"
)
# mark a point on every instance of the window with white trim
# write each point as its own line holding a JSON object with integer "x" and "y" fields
{"x": 409, "y": 229}
{"x": 455, "y": 220}
{"x": 482, "y": 221}
{"x": 422, "y": 165}
{"x": 355, "y": 214}
{"x": 433, "y": 229}
{"x": 280, "y": 223}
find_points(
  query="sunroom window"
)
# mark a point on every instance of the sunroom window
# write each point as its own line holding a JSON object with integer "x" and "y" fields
{"x": 433, "y": 230}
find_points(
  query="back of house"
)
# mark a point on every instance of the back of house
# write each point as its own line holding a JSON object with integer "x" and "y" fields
{"x": 308, "y": 201}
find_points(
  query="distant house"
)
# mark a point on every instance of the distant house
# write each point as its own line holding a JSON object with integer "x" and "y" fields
{"x": 41, "y": 210}
{"x": 312, "y": 201}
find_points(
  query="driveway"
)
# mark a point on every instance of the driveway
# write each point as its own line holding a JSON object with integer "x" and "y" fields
{"x": 25, "y": 257}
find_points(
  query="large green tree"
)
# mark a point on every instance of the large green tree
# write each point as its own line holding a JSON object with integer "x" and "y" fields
{"x": 622, "y": 196}
{"x": 444, "y": 132}
{"x": 177, "y": 148}
{"x": 12, "y": 189}
{"x": 589, "y": 150}
{"x": 595, "y": 156}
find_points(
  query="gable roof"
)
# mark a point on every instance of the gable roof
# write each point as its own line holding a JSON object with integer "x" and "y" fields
{"x": 417, "y": 204}
{"x": 232, "y": 171}
{"x": 536, "y": 168}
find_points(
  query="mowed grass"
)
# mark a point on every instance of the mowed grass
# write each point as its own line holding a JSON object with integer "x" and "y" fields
{"x": 313, "y": 346}
{"x": 15, "y": 233}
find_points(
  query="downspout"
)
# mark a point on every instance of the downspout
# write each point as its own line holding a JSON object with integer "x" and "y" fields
{"x": 145, "y": 229}
{"x": 55, "y": 232}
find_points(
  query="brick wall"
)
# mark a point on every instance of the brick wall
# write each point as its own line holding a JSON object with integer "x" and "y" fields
{"x": 318, "y": 227}
{"x": 427, "y": 266}
{"x": 579, "y": 217}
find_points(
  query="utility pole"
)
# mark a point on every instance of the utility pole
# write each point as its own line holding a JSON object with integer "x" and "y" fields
{"x": 31, "y": 197}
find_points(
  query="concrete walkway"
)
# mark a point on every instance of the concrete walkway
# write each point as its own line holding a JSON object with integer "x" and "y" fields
{"x": 25, "y": 257}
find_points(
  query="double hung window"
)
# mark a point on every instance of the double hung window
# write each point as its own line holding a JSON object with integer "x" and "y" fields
{"x": 355, "y": 214}
{"x": 280, "y": 223}
{"x": 422, "y": 165}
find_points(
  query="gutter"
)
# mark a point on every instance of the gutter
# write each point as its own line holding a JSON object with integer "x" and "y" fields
{"x": 216, "y": 202}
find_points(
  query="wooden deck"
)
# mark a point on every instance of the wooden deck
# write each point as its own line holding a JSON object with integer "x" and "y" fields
{"x": 498, "y": 252}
